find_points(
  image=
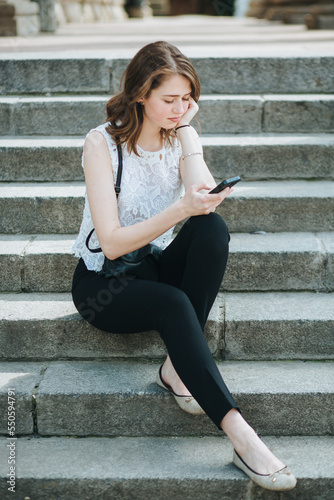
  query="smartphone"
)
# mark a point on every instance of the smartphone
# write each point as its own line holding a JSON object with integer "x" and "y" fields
{"x": 224, "y": 184}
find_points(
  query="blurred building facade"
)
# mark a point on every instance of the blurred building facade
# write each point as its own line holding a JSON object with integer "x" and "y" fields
{"x": 25, "y": 17}
{"x": 315, "y": 14}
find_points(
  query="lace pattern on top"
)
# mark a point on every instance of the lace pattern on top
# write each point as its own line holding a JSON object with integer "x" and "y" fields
{"x": 150, "y": 183}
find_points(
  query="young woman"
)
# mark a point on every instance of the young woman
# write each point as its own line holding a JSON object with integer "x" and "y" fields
{"x": 162, "y": 156}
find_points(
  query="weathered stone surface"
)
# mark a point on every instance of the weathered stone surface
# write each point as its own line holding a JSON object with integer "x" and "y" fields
{"x": 275, "y": 156}
{"x": 41, "y": 159}
{"x": 41, "y": 208}
{"x": 44, "y": 274}
{"x": 256, "y": 326}
{"x": 221, "y": 114}
{"x": 22, "y": 378}
{"x": 51, "y": 322}
{"x": 192, "y": 468}
{"x": 58, "y": 116}
{"x": 220, "y": 75}
{"x": 328, "y": 243}
{"x": 119, "y": 65}
{"x": 76, "y": 115}
{"x": 274, "y": 261}
{"x": 11, "y": 262}
{"x": 6, "y": 110}
{"x": 279, "y": 326}
{"x": 277, "y": 261}
{"x": 269, "y": 206}
{"x": 234, "y": 114}
{"x": 271, "y": 156}
{"x": 265, "y": 74}
{"x": 299, "y": 113}
{"x": 121, "y": 398}
{"x": 280, "y": 206}
{"x": 26, "y": 74}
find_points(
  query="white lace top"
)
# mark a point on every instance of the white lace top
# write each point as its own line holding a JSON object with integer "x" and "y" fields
{"x": 150, "y": 183}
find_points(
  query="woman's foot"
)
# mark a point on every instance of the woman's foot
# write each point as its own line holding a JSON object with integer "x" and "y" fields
{"x": 254, "y": 457}
{"x": 169, "y": 380}
{"x": 257, "y": 455}
{"x": 281, "y": 480}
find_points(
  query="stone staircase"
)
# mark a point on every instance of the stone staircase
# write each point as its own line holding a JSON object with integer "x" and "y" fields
{"x": 90, "y": 421}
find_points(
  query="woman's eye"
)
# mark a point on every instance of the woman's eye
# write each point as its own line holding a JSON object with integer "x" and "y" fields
{"x": 186, "y": 99}
{"x": 169, "y": 102}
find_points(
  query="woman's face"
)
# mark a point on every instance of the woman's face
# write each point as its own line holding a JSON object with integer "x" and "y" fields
{"x": 167, "y": 103}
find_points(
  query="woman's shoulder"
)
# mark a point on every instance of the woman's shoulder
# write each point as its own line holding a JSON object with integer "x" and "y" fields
{"x": 93, "y": 138}
{"x": 97, "y": 137}
{"x": 100, "y": 129}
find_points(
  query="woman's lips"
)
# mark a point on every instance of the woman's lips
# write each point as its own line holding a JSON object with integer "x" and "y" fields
{"x": 174, "y": 120}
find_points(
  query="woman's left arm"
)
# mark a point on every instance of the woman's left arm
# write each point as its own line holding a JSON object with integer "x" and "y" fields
{"x": 193, "y": 168}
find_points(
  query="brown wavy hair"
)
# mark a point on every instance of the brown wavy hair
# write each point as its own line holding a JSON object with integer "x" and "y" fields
{"x": 146, "y": 71}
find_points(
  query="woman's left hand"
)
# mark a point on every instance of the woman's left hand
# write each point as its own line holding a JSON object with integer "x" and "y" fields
{"x": 189, "y": 114}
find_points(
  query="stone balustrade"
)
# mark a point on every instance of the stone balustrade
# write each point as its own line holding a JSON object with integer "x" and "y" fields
{"x": 19, "y": 18}
{"x": 89, "y": 11}
{"x": 24, "y": 17}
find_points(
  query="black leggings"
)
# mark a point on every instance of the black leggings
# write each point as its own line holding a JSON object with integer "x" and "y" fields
{"x": 177, "y": 306}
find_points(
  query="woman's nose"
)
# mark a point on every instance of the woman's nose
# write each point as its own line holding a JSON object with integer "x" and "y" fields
{"x": 178, "y": 107}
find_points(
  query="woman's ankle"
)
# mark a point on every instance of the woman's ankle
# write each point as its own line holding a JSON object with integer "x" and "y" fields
{"x": 238, "y": 430}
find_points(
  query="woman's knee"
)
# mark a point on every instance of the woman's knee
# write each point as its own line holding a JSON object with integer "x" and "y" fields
{"x": 176, "y": 304}
{"x": 212, "y": 228}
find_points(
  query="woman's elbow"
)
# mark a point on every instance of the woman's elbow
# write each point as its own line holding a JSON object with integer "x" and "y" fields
{"x": 111, "y": 250}
{"x": 111, "y": 253}
{"x": 110, "y": 246}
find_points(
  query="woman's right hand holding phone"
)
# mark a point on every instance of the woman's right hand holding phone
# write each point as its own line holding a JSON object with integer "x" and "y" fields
{"x": 198, "y": 201}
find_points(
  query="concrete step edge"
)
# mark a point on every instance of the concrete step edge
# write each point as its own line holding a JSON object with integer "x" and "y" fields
{"x": 65, "y": 141}
{"x": 266, "y": 156}
{"x": 278, "y": 306}
{"x": 222, "y": 113}
{"x": 241, "y": 326}
{"x": 79, "y": 72}
{"x": 103, "y": 398}
{"x": 246, "y": 190}
{"x": 264, "y": 242}
{"x": 261, "y": 96}
{"x": 159, "y": 468}
{"x": 262, "y": 262}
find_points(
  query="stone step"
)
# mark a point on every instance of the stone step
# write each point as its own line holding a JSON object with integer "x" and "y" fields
{"x": 121, "y": 398}
{"x": 75, "y": 72}
{"x": 265, "y": 205}
{"x": 257, "y": 262}
{"x": 254, "y": 157}
{"x": 157, "y": 468}
{"x": 252, "y": 114}
{"x": 241, "y": 326}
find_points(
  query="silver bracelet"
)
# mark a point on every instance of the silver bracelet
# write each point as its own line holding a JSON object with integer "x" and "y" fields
{"x": 190, "y": 154}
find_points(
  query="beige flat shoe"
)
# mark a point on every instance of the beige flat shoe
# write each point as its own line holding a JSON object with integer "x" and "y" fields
{"x": 186, "y": 403}
{"x": 280, "y": 480}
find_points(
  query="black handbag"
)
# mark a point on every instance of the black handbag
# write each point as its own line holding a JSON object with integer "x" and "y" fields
{"x": 142, "y": 263}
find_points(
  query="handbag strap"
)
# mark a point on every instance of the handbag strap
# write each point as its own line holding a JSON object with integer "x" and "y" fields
{"x": 117, "y": 191}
